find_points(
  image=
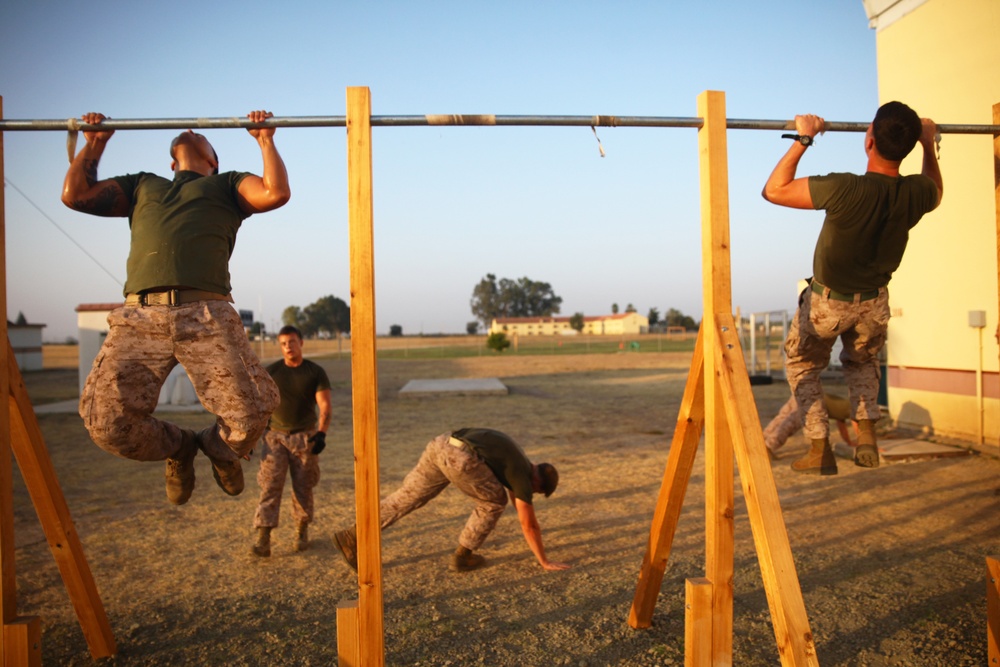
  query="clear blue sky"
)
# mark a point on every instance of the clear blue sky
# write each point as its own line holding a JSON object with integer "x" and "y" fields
{"x": 451, "y": 203}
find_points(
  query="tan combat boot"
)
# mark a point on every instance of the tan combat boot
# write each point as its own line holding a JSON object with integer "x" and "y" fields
{"x": 180, "y": 469}
{"x": 262, "y": 547}
{"x": 464, "y": 560}
{"x": 228, "y": 473}
{"x": 302, "y": 537}
{"x": 346, "y": 542}
{"x": 866, "y": 453}
{"x": 818, "y": 460}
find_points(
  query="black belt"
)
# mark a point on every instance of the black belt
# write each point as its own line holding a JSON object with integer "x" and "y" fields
{"x": 819, "y": 288}
{"x": 173, "y": 297}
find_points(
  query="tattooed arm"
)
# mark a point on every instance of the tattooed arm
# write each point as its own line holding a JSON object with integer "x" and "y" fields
{"x": 81, "y": 189}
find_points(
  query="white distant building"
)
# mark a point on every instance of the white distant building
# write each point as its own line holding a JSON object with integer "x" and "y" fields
{"x": 26, "y": 340}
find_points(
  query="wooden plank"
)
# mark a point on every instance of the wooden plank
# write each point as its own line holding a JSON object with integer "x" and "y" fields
{"x": 698, "y": 622}
{"x": 993, "y": 610}
{"x": 53, "y": 513}
{"x": 347, "y": 633}
{"x": 774, "y": 552}
{"x": 996, "y": 195}
{"x": 23, "y": 642}
{"x": 716, "y": 288}
{"x": 680, "y": 461}
{"x": 8, "y": 579}
{"x": 364, "y": 383}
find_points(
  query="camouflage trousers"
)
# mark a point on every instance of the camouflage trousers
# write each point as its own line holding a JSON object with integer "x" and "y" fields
{"x": 789, "y": 419}
{"x": 281, "y": 453}
{"x": 143, "y": 345}
{"x": 442, "y": 464}
{"x": 783, "y": 426}
{"x": 818, "y": 322}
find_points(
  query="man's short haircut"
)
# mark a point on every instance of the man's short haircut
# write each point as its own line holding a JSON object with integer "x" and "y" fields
{"x": 896, "y": 129}
{"x": 288, "y": 330}
{"x": 550, "y": 478}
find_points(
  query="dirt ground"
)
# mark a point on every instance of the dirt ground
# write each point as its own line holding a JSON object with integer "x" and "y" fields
{"x": 891, "y": 561}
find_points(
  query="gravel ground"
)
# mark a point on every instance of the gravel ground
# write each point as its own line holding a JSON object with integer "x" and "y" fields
{"x": 891, "y": 561}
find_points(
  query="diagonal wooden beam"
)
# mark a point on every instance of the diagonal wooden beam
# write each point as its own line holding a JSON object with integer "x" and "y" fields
{"x": 774, "y": 552}
{"x": 680, "y": 461}
{"x": 53, "y": 513}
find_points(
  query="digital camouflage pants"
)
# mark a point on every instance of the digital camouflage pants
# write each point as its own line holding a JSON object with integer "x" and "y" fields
{"x": 442, "y": 464}
{"x": 143, "y": 345}
{"x": 283, "y": 453}
{"x": 818, "y": 322}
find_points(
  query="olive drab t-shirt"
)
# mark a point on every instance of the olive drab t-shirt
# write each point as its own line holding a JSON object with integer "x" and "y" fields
{"x": 298, "y": 386}
{"x": 503, "y": 456}
{"x": 183, "y": 231}
{"x": 867, "y": 225}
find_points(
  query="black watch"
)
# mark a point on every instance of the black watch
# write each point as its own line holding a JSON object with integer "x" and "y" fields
{"x": 803, "y": 139}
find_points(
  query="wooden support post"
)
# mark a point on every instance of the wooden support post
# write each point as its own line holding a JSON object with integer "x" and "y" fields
{"x": 53, "y": 513}
{"x": 717, "y": 293}
{"x": 996, "y": 193}
{"x": 347, "y": 634}
{"x": 8, "y": 580}
{"x": 993, "y": 610}
{"x": 698, "y": 622}
{"x": 364, "y": 384}
{"x": 22, "y": 640}
{"x": 732, "y": 432}
{"x": 680, "y": 461}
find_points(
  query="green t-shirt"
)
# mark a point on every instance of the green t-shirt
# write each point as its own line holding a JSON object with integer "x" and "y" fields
{"x": 183, "y": 231}
{"x": 298, "y": 386}
{"x": 867, "y": 225}
{"x": 503, "y": 456}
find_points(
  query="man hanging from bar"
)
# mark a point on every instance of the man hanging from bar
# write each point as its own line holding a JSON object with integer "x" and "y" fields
{"x": 864, "y": 234}
{"x": 178, "y": 306}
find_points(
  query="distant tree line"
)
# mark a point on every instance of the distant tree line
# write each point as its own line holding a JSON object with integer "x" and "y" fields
{"x": 512, "y": 298}
{"x": 328, "y": 316}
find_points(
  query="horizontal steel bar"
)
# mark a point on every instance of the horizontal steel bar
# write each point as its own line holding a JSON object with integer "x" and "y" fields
{"x": 449, "y": 119}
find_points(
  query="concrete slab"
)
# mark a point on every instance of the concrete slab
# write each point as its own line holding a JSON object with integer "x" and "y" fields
{"x": 905, "y": 449}
{"x": 455, "y": 387}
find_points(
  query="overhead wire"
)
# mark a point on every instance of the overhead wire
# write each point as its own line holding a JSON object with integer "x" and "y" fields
{"x": 45, "y": 215}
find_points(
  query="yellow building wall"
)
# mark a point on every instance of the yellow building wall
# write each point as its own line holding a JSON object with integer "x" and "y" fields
{"x": 943, "y": 59}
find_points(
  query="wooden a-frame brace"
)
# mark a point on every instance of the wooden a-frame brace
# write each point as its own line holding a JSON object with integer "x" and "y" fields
{"x": 20, "y": 639}
{"x": 718, "y": 399}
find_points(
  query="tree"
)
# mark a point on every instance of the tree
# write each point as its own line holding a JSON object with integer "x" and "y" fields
{"x": 396, "y": 330}
{"x": 614, "y": 309}
{"x": 472, "y": 328}
{"x": 292, "y": 316}
{"x": 328, "y": 315}
{"x": 576, "y": 321}
{"x": 512, "y": 298}
{"x": 675, "y": 318}
{"x": 498, "y": 341}
{"x": 630, "y": 308}
{"x": 257, "y": 328}
{"x": 653, "y": 317}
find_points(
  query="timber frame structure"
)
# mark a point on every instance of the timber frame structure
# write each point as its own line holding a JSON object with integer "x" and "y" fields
{"x": 717, "y": 401}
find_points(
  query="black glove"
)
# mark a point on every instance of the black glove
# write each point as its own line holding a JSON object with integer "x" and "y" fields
{"x": 318, "y": 441}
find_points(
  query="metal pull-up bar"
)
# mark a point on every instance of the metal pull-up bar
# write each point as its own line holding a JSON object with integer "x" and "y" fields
{"x": 73, "y": 124}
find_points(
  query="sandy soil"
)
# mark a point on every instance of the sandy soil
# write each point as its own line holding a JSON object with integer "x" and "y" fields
{"x": 891, "y": 561}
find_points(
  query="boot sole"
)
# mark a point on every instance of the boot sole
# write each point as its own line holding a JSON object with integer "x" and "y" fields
{"x": 343, "y": 553}
{"x": 866, "y": 456}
